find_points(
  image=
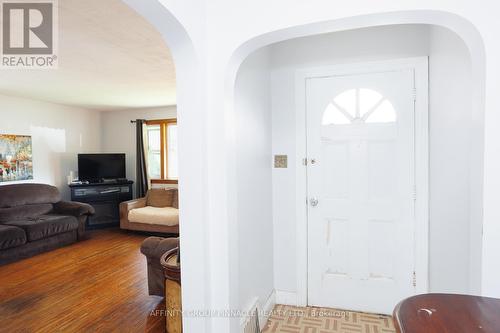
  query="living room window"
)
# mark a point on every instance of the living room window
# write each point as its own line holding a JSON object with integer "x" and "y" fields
{"x": 162, "y": 151}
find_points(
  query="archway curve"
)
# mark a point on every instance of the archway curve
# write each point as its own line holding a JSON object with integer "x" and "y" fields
{"x": 456, "y": 24}
{"x": 190, "y": 119}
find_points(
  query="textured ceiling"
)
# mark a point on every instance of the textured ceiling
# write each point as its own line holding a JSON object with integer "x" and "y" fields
{"x": 109, "y": 58}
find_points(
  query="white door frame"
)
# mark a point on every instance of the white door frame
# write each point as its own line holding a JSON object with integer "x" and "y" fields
{"x": 420, "y": 66}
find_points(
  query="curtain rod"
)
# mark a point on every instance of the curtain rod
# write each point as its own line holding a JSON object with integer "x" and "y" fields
{"x": 135, "y": 121}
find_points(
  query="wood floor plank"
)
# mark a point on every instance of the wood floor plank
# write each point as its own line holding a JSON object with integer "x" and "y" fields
{"x": 96, "y": 285}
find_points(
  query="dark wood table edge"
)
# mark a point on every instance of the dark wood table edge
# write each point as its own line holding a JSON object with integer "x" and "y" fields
{"x": 399, "y": 323}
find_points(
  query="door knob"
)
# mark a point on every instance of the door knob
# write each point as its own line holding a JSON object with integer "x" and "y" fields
{"x": 313, "y": 202}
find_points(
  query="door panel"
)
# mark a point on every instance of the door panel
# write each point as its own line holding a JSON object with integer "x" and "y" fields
{"x": 360, "y": 132}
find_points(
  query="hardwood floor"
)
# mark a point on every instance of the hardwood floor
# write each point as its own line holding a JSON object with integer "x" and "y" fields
{"x": 96, "y": 285}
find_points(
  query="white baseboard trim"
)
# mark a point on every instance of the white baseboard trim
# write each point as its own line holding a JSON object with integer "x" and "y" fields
{"x": 286, "y": 298}
{"x": 267, "y": 308}
{"x": 264, "y": 310}
{"x": 249, "y": 309}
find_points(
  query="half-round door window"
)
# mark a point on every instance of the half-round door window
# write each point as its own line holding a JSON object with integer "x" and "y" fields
{"x": 357, "y": 106}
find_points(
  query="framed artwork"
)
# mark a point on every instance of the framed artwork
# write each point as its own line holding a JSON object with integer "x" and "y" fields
{"x": 16, "y": 158}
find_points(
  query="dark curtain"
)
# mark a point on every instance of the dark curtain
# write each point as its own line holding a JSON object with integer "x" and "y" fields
{"x": 142, "y": 172}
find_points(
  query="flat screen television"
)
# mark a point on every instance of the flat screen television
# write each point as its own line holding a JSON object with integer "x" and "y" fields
{"x": 98, "y": 167}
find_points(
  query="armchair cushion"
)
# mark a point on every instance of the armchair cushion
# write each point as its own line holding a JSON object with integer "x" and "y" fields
{"x": 161, "y": 197}
{"x": 72, "y": 208}
{"x": 154, "y": 215}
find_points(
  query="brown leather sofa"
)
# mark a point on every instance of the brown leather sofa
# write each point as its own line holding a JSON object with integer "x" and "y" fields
{"x": 34, "y": 219}
{"x": 153, "y": 248}
{"x": 157, "y": 212}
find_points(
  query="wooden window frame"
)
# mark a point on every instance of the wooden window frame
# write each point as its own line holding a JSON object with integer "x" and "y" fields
{"x": 163, "y": 123}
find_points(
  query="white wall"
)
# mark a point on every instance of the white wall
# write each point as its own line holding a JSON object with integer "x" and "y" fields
{"x": 453, "y": 137}
{"x": 449, "y": 124}
{"x": 254, "y": 224}
{"x": 118, "y": 133}
{"x": 58, "y": 132}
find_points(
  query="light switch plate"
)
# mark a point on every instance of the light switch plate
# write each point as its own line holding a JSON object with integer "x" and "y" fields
{"x": 280, "y": 161}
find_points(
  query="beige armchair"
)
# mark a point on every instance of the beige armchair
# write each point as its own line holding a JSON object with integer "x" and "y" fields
{"x": 157, "y": 212}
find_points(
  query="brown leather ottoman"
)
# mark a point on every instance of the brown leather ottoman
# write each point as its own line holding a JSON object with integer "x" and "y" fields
{"x": 153, "y": 248}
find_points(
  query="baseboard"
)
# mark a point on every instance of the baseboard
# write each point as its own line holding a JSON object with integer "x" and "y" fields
{"x": 264, "y": 311}
{"x": 249, "y": 309}
{"x": 267, "y": 308}
{"x": 286, "y": 298}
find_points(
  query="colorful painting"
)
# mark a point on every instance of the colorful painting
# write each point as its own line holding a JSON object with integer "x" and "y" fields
{"x": 16, "y": 161}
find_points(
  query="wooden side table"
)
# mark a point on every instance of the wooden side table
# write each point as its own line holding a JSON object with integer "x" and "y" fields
{"x": 447, "y": 313}
{"x": 172, "y": 272}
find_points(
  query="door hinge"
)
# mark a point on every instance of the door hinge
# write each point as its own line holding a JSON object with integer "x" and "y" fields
{"x": 414, "y": 279}
{"x": 414, "y": 194}
{"x": 414, "y": 94}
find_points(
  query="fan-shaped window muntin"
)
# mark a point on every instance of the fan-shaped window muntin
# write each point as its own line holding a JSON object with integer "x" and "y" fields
{"x": 357, "y": 106}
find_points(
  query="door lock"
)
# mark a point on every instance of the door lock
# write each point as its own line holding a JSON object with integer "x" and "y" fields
{"x": 313, "y": 202}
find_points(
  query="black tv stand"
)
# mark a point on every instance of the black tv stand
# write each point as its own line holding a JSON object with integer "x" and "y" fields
{"x": 105, "y": 197}
{"x": 113, "y": 181}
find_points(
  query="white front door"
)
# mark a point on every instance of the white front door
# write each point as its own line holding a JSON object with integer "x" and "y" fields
{"x": 361, "y": 182}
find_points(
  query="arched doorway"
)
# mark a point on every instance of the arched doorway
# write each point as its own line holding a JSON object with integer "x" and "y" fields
{"x": 191, "y": 156}
{"x": 464, "y": 33}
